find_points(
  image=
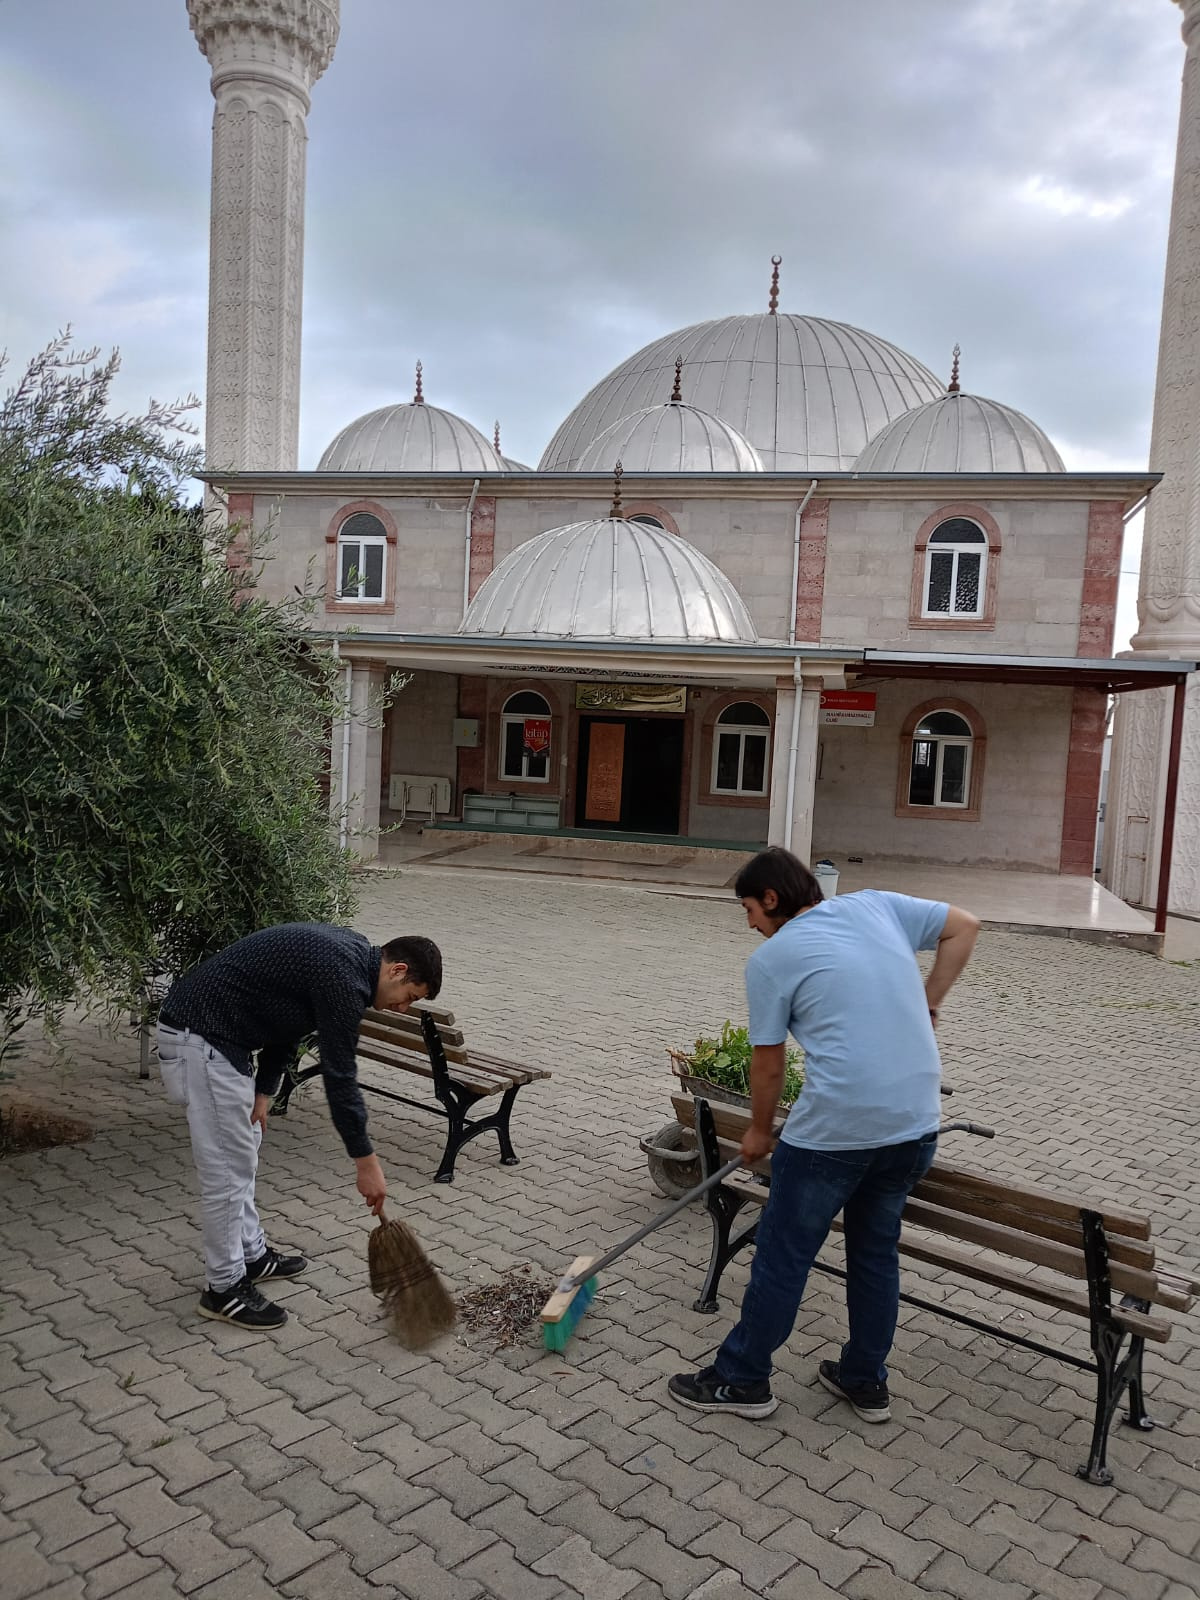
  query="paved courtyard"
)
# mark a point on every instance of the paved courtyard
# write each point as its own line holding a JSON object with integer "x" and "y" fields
{"x": 147, "y": 1453}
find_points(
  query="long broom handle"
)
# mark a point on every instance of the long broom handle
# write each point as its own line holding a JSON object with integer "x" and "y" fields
{"x": 607, "y": 1259}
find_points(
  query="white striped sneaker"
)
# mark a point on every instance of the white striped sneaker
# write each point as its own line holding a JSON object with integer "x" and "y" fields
{"x": 244, "y": 1306}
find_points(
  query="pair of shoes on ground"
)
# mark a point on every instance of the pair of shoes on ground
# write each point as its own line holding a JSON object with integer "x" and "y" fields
{"x": 704, "y": 1391}
{"x": 243, "y": 1303}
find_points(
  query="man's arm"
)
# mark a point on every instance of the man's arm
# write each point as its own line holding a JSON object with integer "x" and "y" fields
{"x": 954, "y": 949}
{"x": 767, "y": 1066}
{"x": 337, "y": 1039}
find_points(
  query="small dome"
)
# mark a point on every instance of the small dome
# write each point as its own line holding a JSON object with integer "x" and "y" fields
{"x": 961, "y": 433}
{"x": 806, "y": 393}
{"x": 413, "y": 437}
{"x": 609, "y": 579}
{"x": 670, "y": 438}
{"x": 514, "y": 466}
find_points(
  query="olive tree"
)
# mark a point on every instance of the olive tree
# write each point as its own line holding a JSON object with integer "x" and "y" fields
{"x": 163, "y": 729}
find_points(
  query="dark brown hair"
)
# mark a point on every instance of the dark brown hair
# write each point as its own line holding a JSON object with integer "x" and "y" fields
{"x": 795, "y": 887}
{"x": 422, "y": 958}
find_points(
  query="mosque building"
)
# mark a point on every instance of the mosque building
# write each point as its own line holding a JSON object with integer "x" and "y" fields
{"x": 773, "y": 579}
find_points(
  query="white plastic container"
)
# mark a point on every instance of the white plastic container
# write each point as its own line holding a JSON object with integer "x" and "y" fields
{"x": 827, "y": 876}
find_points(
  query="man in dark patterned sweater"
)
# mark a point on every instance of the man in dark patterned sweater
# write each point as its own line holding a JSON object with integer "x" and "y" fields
{"x": 265, "y": 994}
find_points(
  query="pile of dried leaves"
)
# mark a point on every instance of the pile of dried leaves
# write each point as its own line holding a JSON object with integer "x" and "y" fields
{"x": 504, "y": 1310}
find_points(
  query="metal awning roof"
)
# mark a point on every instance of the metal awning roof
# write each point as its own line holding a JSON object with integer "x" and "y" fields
{"x": 1109, "y": 676}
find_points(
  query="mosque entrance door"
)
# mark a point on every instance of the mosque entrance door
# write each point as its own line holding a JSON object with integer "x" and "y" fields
{"x": 630, "y": 771}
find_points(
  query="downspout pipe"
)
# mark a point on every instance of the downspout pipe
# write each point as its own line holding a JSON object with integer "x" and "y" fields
{"x": 793, "y": 751}
{"x": 467, "y": 549}
{"x": 800, "y": 510}
{"x": 344, "y": 819}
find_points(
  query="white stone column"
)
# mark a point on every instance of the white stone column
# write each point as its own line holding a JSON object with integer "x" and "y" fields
{"x": 1169, "y": 587}
{"x": 785, "y": 700}
{"x": 265, "y": 57}
{"x": 795, "y": 832}
{"x": 364, "y": 769}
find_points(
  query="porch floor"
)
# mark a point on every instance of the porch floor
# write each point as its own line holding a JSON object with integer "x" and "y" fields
{"x": 1042, "y": 902}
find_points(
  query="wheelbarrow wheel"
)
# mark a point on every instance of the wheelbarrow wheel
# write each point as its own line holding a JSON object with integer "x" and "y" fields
{"x": 672, "y": 1159}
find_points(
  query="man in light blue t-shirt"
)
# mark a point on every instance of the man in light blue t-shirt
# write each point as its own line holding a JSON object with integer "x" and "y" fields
{"x": 841, "y": 976}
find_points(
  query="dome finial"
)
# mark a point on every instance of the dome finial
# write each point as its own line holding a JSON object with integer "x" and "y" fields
{"x": 496, "y": 436}
{"x": 773, "y": 302}
{"x": 677, "y": 391}
{"x": 952, "y": 386}
{"x": 419, "y": 394}
{"x": 616, "y": 514}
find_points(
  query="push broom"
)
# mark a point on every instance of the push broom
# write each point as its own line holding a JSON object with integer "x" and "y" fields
{"x": 564, "y": 1310}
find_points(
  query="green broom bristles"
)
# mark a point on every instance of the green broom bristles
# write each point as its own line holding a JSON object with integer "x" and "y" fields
{"x": 556, "y": 1335}
{"x": 416, "y": 1302}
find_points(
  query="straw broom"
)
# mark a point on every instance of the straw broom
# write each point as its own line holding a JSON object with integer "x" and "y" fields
{"x": 415, "y": 1300}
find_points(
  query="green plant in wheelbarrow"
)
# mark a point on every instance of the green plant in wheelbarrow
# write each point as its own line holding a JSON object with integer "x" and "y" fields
{"x": 718, "y": 1068}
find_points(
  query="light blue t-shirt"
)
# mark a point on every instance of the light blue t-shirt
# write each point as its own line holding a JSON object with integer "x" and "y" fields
{"x": 843, "y": 980}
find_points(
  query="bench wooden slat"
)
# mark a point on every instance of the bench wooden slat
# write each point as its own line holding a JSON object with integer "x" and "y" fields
{"x": 410, "y": 1027}
{"x": 1120, "y": 1247}
{"x": 1039, "y": 1252}
{"x": 418, "y": 1064}
{"x": 730, "y": 1122}
{"x": 1062, "y": 1298}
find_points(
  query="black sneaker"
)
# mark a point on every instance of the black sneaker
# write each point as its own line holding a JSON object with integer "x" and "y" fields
{"x": 704, "y": 1391}
{"x": 274, "y": 1264}
{"x": 869, "y": 1400}
{"x": 244, "y": 1307}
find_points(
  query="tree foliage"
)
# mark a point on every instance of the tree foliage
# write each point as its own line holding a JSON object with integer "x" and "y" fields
{"x": 162, "y": 730}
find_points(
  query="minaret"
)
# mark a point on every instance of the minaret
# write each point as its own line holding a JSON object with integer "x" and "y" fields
{"x": 1169, "y": 588}
{"x": 265, "y": 56}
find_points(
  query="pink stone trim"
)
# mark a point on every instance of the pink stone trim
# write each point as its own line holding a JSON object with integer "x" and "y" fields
{"x": 1101, "y": 577}
{"x": 916, "y": 601}
{"x": 1081, "y": 800}
{"x": 483, "y": 542}
{"x": 651, "y": 508}
{"x": 810, "y": 578}
{"x": 360, "y": 607}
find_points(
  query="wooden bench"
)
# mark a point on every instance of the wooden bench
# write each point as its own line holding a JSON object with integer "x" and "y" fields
{"x": 427, "y": 1043}
{"x": 1105, "y": 1247}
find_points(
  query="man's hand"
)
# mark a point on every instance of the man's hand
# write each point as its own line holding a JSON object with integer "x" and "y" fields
{"x": 371, "y": 1183}
{"x": 755, "y": 1145}
{"x": 262, "y": 1108}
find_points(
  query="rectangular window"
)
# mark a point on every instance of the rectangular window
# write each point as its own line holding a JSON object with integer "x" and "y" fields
{"x": 360, "y": 569}
{"x": 939, "y": 772}
{"x": 966, "y": 583}
{"x": 953, "y": 789}
{"x": 941, "y": 580}
{"x": 740, "y": 762}
{"x": 516, "y": 763}
{"x": 954, "y": 583}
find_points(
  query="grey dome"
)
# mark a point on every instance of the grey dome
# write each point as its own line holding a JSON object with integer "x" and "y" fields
{"x": 414, "y": 437}
{"x": 806, "y": 393}
{"x": 961, "y": 433}
{"x": 514, "y": 466}
{"x": 609, "y": 579}
{"x": 670, "y": 438}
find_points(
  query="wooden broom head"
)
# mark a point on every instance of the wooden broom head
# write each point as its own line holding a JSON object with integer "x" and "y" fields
{"x": 415, "y": 1300}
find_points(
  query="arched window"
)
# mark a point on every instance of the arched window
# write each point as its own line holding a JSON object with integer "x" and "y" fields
{"x": 955, "y": 569}
{"x": 743, "y": 735}
{"x": 362, "y": 558}
{"x": 525, "y": 738}
{"x": 940, "y": 765}
{"x": 651, "y": 522}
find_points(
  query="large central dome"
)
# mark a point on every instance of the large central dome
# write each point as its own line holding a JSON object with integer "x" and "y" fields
{"x": 805, "y": 392}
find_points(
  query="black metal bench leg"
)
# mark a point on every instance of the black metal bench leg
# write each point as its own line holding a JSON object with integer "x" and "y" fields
{"x": 1110, "y": 1384}
{"x": 508, "y": 1156}
{"x": 723, "y": 1207}
{"x": 1137, "y": 1416}
{"x": 279, "y": 1106}
{"x": 457, "y": 1134}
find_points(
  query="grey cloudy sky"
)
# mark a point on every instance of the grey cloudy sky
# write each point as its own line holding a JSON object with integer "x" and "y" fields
{"x": 523, "y": 193}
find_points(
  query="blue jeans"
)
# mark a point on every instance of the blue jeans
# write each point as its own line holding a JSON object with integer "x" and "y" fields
{"x": 808, "y": 1189}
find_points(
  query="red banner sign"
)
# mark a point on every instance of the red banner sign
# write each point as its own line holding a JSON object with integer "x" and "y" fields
{"x": 537, "y": 735}
{"x": 853, "y": 706}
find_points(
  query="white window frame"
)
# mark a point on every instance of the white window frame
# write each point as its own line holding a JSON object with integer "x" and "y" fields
{"x": 941, "y": 741}
{"x": 954, "y": 549}
{"x": 509, "y": 717}
{"x": 363, "y": 542}
{"x": 741, "y": 729}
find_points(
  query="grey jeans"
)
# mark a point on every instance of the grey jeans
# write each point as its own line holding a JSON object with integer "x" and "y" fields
{"x": 219, "y": 1101}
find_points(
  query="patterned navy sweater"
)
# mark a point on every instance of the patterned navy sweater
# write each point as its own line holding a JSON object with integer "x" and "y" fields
{"x": 267, "y": 992}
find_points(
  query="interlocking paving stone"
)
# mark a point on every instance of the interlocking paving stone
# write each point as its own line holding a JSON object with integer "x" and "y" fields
{"x": 359, "y": 1469}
